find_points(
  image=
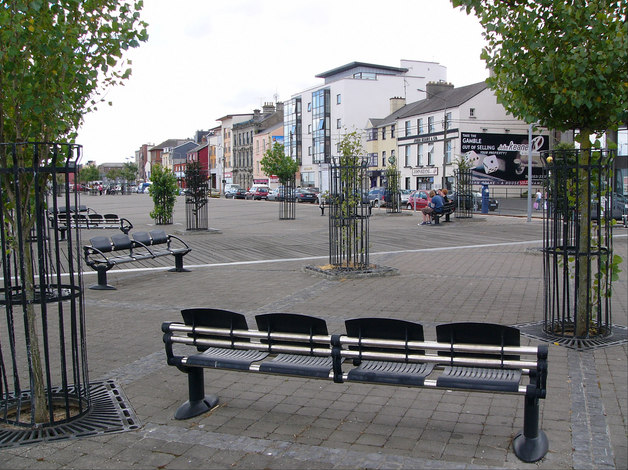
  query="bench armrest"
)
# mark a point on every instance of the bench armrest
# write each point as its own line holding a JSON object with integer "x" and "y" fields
{"x": 177, "y": 238}
{"x": 125, "y": 225}
{"x": 89, "y": 250}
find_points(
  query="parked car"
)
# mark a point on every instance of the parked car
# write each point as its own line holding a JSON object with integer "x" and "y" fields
{"x": 230, "y": 190}
{"x": 272, "y": 195}
{"x": 493, "y": 204}
{"x": 405, "y": 194}
{"x": 239, "y": 193}
{"x": 305, "y": 195}
{"x": 419, "y": 199}
{"x": 377, "y": 197}
{"x": 257, "y": 193}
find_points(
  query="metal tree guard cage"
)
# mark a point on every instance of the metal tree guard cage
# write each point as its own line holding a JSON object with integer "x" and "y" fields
{"x": 392, "y": 196}
{"x": 578, "y": 243}
{"x": 349, "y": 213}
{"x": 196, "y": 198}
{"x": 43, "y": 351}
{"x": 287, "y": 200}
{"x": 464, "y": 194}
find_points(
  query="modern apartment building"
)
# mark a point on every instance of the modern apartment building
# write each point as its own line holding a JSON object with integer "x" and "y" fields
{"x": 316, "y": 119}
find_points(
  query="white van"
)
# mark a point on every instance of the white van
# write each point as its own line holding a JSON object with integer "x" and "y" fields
{"x": 230, "y": 189}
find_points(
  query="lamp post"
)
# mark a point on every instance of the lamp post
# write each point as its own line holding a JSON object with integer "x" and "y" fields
{"x": 445, "y": 128}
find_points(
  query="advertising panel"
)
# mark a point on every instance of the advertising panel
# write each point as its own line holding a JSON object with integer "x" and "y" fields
{"x": 503, "y": 158}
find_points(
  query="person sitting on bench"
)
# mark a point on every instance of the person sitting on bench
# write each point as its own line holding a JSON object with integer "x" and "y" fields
{"x": 436, "y": 205}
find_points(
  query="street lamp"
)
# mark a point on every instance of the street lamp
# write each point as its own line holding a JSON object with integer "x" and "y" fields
{"x": 445, "y": 128}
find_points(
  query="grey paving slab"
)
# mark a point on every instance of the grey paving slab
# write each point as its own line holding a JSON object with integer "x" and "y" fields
{"x": 484, "y": 269}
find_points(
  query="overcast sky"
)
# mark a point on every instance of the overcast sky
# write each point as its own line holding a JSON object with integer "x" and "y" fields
{"x": 207, "y": 58}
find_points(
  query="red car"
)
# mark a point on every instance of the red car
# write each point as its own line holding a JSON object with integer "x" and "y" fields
{"x": 419, "y": 199}
{"x": 257, "y": 193}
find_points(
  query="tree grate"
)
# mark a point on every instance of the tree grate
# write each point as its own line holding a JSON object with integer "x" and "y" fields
{"x": 619, "y": 335}
{"x": 110, "y": 413}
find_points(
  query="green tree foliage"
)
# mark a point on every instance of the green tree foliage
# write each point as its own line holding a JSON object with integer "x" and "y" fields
{"x": 129, "y": 171}
{"x": 556, "y": 62}
{"x": 164, "y": 192}
{"x": 89, "y": 173}
{"x": 561, "y": 64}
{"x": 57, "y": 58}
{"x": 276, "y": 162}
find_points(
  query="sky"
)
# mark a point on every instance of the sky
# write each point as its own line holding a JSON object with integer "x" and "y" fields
{"x": 205, "y": 59}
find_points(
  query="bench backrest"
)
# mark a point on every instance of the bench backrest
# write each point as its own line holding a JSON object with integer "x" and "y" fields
{"x": 213, "y": 318}
{"x": 101, "y": 244}
{"x": 158, "y": 237}
{"x": 121, "y": 241}
{"x": 142, "y": 237}
{"x": 477, "y": 333}
{"x": 383, "y": 328}
{"x": 95, "y": 218}
{"x": 111, "y": 218}
{"x": 292, "y": 323}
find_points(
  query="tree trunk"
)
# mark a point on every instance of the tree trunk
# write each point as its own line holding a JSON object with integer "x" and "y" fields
{"x": 583, "y": 271}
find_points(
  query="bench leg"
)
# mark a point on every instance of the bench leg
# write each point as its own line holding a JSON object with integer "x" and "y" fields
{"x": 102, "y": 279}
{"x": 531, "y": 444}
{"x": 178, "y": 264}
{"x": 436, "y": 219}
{"x": 198, "y": 402}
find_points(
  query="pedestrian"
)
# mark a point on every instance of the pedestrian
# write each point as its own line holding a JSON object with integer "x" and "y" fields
{"x": 100, "y": 189}
{"x": 537, "y": 202}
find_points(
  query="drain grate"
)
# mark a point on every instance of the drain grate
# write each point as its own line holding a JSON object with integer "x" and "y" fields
{"x": 535, "y": 330}
{"x": 111, "y": 412}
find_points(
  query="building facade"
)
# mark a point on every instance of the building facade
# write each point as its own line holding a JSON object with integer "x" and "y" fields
{"x": 316, "y": 120}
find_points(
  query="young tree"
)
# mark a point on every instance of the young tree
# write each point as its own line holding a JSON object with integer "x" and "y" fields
{"x": 164, "y": 192}
{"x": 558, "y": 63}
{"x": 129, "y": 171}
{"x": 276, "y": 162}
{"x": 88, "y": 173}
{"x": 56, "y": 60}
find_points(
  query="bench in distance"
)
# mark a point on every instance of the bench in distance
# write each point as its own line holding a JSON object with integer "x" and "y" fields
{"x": 103, "y": 253}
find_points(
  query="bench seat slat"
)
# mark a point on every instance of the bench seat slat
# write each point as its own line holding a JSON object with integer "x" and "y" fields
{"x": 221, "y": 358}
{"x": 480, "y": 378}
{"x": 294, "y": 364}
{"x": 391, "y": 372}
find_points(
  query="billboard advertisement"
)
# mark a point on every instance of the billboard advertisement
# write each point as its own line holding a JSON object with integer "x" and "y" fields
{"x": 503, "y": 158}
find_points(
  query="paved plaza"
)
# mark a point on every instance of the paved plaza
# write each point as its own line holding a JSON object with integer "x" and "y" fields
{"x": 487, "y": 268}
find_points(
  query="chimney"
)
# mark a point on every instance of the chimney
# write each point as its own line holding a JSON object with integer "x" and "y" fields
{"x": 256, "y": 114}
{"x": 268, "y": 109}
{"x": 396, "y": 103}
{"x": 434, "y": 88}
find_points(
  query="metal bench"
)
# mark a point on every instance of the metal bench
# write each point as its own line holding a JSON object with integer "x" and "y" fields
{"x": 466, "y": 356}
{"x": 104, "y": 253}
{"x": 448, "y": 209}
{"x": 86, "y": 218}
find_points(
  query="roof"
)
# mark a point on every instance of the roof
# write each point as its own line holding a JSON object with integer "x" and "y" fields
{"x": 352, "y": 65}
{"x": 447, "y": 99}
{"x": 168, "y": 143}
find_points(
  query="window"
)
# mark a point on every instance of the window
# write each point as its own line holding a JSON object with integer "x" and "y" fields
{"x": 383, "y": 133}
{"x": 372, "y": 134}
{"x": 419, "y": 126}
{"x": 407, "y": 128}
{"x": 419, "y": 155}
{"x": 392, "y": 155}
{"x": 407, "y": 161}
{"x": 448, "y": 151}
{"x": 309, "y": 128}
{"x": 392, "y": 131}
{"x": 448, "y": 121}
{"x": 338, "y": 123}
{"x": 338, "y": 99}
{"x": 309, "y": 107}
{"x": 430, "y": 124}
{"x": 407, "y": 182}
{"x": 372, "y": 159}
{"x": 471, "y": 112}
{"x": 309, "y": 150}
{"x": 384, "y": 158}
{"x": 430, "y": 154}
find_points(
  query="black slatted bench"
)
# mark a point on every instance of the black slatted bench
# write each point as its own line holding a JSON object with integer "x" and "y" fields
{"x": 103, "y": 253}
{"x": 471, "y": 357}
{"x": 448, "y": 209}
{"x": 86, "y": 218}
